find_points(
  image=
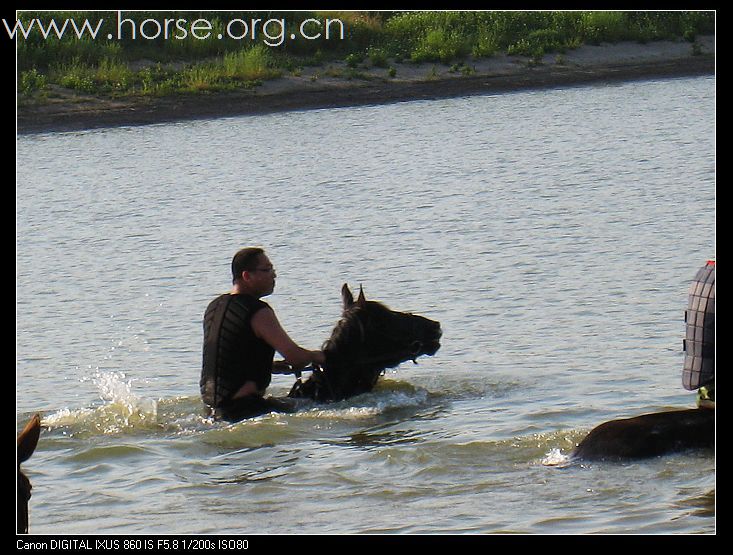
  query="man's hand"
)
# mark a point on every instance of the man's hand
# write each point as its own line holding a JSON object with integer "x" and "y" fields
{"x": 281, "y": 367}
{"x": 249, "y": 388}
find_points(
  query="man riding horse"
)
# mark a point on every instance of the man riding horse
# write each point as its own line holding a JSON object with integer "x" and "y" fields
{"x": 658, "y": 433}
{"x": 241, "y": 335}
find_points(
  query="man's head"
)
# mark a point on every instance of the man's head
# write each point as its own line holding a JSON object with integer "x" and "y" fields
{"x": 252, "y": 272}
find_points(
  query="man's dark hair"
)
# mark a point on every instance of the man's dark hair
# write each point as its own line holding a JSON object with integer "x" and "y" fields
{"x": 245, "y": 260}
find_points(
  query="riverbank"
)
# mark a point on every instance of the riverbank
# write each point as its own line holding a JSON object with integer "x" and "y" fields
{"x": 331, "y": 86}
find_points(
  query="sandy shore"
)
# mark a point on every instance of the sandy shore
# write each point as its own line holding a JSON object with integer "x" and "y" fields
{"x": 318, "y": 88}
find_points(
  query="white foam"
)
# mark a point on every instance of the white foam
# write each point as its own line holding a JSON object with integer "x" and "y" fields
{"x": 122, "y": 408}
{"x": 370, "y": 404}
{"x": 555, "y": 458}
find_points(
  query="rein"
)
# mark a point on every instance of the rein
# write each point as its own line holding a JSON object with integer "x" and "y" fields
{"x": 349, "y": 358}
{"x": 409, "y": 353}
{"x": 381, "y": 361}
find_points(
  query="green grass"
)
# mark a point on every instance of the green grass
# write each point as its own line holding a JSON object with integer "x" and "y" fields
{"x": 234, "y": 69}
{"x": 376, "y": 39}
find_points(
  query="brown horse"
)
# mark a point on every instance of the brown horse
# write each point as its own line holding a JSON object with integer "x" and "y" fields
{"x": 649, "y": 435}
{"x": 368, "y": 339}
{"x": 27, "y": 441}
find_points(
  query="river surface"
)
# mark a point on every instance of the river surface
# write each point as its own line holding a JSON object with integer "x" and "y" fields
{"x": 553, "y": 233}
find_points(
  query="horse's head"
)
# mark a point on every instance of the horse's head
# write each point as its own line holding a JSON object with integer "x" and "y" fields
{"x": 27, "y": 441}
{"x": 382, "y": 336}
{"x": 368, "y": 339}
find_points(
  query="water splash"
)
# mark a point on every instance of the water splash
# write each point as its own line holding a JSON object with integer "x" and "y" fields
{"x": 121, "y": 411}
{"x": 556, "y": 458}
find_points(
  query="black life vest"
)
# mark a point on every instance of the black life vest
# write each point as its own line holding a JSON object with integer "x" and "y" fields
{"x": 232, "y": 353}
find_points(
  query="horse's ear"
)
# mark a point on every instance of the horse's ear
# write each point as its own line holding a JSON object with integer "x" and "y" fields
{"x": 347, "y": 297}
{"x": 28, "y": 438}
{"x": 361, "y": 301}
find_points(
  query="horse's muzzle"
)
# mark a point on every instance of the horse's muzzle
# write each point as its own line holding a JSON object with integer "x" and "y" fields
{"x": 431, "y": 342}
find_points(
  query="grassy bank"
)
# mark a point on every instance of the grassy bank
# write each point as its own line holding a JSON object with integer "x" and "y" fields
{"x": 163, "y": 66}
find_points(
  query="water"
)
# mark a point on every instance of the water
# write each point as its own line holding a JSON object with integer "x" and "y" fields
{"x": 553, "y": 233}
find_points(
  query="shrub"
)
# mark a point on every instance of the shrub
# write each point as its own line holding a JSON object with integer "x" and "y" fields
{"x": 439, "y": 45}
{"x": 31, "y": 81}
{"x": 377, "y": 57}
{"x": 354, "y": 59}
{"x": 250, "y": 64}
{"x": 597, "y": 27}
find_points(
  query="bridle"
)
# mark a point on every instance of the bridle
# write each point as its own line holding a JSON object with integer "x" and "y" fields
{"x": 380, "y": 361}
{"x": 410, "y": 352}
{"x": 407, "y": 352}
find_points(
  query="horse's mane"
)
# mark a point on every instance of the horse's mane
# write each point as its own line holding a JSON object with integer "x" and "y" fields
{"x": 343, "y": 334}
{"x": 350, "y": 344}
{"x": 350, "y": 328}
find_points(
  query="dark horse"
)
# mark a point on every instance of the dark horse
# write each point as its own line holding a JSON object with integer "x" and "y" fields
{"x": 27, "y": 441}
{"x": 649, "y": 435}
{"x": 368, "y": 339}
